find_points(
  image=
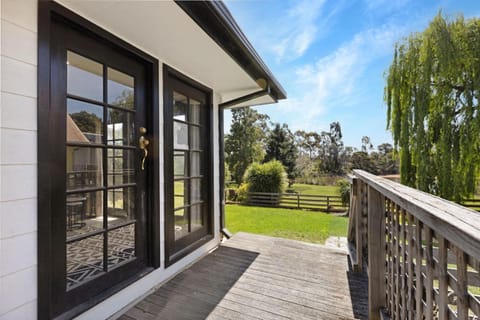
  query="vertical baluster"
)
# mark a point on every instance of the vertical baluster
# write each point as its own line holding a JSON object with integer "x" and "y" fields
{"x": 376, "y": 253}
{"x": 391, "y": 270}
{"x": 365, "y": 220}
{"x": 403, "y": 263}
{"x": 462, "y": 285}
{"x": 429, "y": 273}
{"x": 442, "y": 278}
{"x": 396, "y": 237}
{"x": 418, "y": 270}
{"x": 410, "y": 251}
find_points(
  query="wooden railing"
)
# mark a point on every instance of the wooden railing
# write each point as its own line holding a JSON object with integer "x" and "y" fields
{"x": 421, "y": 252}
{"x": 297, "y": 201}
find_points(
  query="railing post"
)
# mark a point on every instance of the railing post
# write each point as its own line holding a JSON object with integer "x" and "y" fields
{"x": 359, "y": 227}
{"x": 328, "y": 204}
{"x": 351, "y": 210}
{"x": 298, "y": 200}
{"x": 376, "y": 253}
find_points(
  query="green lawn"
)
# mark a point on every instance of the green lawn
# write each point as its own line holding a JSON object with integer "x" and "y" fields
{"x": 315, "y": 190}
{"x": 285, "y": 223}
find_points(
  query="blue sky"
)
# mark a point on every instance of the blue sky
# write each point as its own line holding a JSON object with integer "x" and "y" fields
{"x": 331, "y": 56}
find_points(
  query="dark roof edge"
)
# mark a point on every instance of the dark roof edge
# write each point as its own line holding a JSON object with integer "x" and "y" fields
{"x": 217, "y": 21}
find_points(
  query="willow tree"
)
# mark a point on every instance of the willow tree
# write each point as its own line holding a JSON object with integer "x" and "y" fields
{"x": 432, "y": 94}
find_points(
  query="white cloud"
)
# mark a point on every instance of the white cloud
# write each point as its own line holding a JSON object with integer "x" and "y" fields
{"x": 335, "y": 80}
{"x": 297, "y": 29}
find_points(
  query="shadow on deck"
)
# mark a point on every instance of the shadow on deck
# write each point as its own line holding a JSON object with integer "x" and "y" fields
{"x": 259, "y": 277}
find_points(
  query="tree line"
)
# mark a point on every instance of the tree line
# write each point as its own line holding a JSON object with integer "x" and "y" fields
{"x": 306, "y": 156}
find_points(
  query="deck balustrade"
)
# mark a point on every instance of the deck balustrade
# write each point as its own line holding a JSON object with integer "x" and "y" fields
{"x": 421, "y": 252}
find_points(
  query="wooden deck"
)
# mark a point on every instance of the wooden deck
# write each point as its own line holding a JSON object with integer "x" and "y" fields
{"x": 259, "y": 277}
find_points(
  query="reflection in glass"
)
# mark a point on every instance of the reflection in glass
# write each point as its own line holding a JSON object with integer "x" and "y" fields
{"x": 194, "y": 111}
{"x": 84, "y": 122}
{"x": 180, "y": 136}
{"x": 121, "y": 166}
{"x": 195, "y": 164}
{"x": 195, "y": 190}
{"x": 180, "y": 105}
{"x": 84, "y": 213}
{"x": 121, "y": 246}
{"x": 120, "y": 205}
{"x": 84, "y": 77}
{"x": 84, "y": 260}
{"x": 120, "y": 89}
{"x": 179, "y": 194}
{"x": 120, "y": 128}
{"x": 196, "y": 216}
{"x": 84, "y": 167}
{"x": 195, "y": 138}
{"x": 181, "y": 223}
{"x": 179, "y": 164}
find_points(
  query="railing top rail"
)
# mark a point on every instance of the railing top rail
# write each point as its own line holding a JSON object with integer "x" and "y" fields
{"x": 461, "y": 226}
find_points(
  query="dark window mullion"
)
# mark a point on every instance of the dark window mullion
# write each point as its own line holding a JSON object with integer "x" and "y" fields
{"x": 105, "y": 170}
{"x": 189, "y": 165}
{"x": 120, "y": 108}
{"x": 83, "y": 99}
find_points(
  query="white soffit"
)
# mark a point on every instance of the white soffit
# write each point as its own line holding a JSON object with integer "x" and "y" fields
{"x": 165, "y": 31}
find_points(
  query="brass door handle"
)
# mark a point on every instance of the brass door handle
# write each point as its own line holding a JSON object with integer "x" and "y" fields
{"x": 142, "y": 144}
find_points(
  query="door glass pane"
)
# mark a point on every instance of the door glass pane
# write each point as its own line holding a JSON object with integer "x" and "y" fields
{"x": 84, "y": 213}
{"x": 181, "y": 223}
{"x": 180, "y": 105}
{"x": 179, "y": 193}
{"x": 120, "y": 205}
{"x": 84, "y": 77}
{"x": 179, "y": 164}
{"x": 180, "y": 135}
{"x": 121, "y": 166}
{"x": 196, "y": 216}
{"x": 120, "y": 128}
{"x": 195, "y": 138}
{"x": 84, "y": 167}
{"x": 194, "y": 111}
{"x": 195, "y": 190}
{"x": 120, "y": 89}
{"x": 84, "y": 122}
{"x": 121, "y": 246}
{"x": 196, "y": 164}
{"x": 84, "y": 260}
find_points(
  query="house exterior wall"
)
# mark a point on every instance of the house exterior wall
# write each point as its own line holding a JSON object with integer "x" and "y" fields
{"x": 18, "y": 175}
{"x": 18, "y": 160}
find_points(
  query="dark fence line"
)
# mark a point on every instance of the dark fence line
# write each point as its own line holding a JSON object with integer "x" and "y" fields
{"x": 473, "y": 204}
{"x": 296, "y": 201}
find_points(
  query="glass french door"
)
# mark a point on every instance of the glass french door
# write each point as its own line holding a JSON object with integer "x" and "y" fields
{"x": 102, "y": 144}
{"x": 187, "y": 174}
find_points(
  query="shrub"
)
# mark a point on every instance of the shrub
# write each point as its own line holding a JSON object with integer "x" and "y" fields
{"x": 267, "y": 177}
{"x": 344, "y": 190}
{"x": 242, "y": 192}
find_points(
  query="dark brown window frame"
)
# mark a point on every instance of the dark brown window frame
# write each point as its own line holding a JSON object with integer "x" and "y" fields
{"x": 48, "y": 12}
{"x": 169, "y": 75}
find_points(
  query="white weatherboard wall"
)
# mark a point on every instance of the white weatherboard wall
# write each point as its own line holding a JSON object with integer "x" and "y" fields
{"x": 18, "y": 160}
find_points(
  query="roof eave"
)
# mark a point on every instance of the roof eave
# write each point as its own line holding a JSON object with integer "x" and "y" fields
{"x": 216, "y": 20}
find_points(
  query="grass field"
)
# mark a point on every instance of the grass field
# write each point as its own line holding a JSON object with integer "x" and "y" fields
{"x": 285, "y": 223}
{"x": 315, "y": 190}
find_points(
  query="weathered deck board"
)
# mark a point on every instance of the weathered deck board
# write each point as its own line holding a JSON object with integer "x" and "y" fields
{"x": 259, "y": 277}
